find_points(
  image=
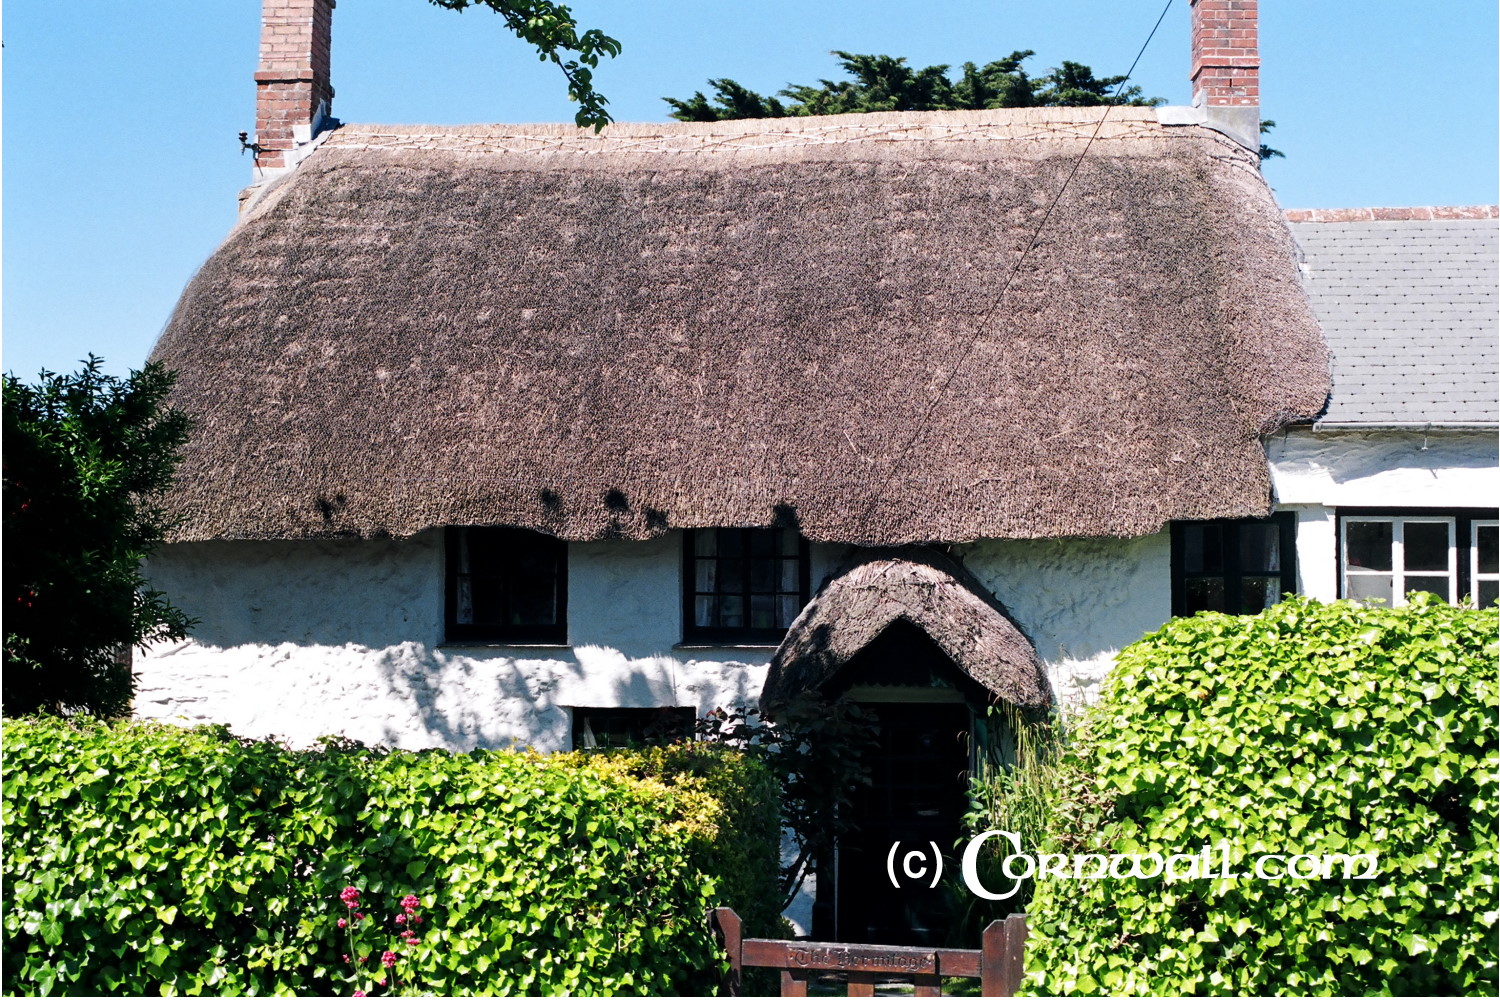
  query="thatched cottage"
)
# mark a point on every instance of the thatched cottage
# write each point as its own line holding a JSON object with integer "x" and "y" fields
{"x": 523, "y": 434}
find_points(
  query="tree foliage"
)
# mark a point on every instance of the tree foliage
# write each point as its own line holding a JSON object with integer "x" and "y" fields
{"x": 551, "y": 29}
{"x": 86, "y": 456}
{"x": 886, "y": 83}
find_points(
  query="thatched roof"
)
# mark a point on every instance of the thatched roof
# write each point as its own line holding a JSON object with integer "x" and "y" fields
{"x": 922, "y": 587}
{"x": 737, "y": 323}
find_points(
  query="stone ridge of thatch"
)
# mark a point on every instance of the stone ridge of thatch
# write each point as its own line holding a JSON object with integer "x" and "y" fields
{"x": 878, "y": 588}
{"x": 747, "y": 324}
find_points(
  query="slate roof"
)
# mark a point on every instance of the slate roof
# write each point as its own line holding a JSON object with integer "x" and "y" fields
{"x": 1408, "y": 307}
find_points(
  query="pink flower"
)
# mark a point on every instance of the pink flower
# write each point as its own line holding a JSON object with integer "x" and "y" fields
{"x": 350, "y": 896}
{"x": 346, "y": 958}
{"x": 400, "y": 918}
{"x": 417, "y": 919}
{"x": 410, "y": 903}
{"x": 359, "y": 993}
{"x": 343, "y": 923}
{"x": 388, "y": 959}
{"x": 380, "y": 982}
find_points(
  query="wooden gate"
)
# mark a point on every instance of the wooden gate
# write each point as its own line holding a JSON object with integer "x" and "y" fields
{"x": 998, "y": 964}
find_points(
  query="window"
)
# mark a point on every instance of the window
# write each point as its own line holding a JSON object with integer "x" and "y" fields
{"x": 630, "y": 727}
{"x": 507, "y": 585}
{"x": 1484, "y": 567}
{"x": 742, "y": 585}
{"x": 1385, "y": 555}
{"x": 1239, "y": 567}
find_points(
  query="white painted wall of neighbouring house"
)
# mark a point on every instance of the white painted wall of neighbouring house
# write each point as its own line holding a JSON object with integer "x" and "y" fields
{"x": 305, "y": 638}
{"x": 1317, "y": 472}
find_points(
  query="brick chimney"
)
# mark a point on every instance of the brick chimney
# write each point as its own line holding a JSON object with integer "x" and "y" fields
{"x": 1226, "y": 66}
{"x": 293, "y": 93}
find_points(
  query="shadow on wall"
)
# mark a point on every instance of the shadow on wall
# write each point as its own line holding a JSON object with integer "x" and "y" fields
{"x": 331, "y": 592}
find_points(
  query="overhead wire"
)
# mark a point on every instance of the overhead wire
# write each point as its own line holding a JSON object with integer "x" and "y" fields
{"x": 979, "y": 328}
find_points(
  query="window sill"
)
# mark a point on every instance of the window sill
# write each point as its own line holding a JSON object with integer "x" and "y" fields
{"x": 482, "y": 644}
{"x": 689, "y": 646}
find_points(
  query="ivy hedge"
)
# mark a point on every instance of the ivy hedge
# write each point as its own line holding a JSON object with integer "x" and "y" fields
{"x": 1310, "y": 729}
{"x": 149, "y": 859}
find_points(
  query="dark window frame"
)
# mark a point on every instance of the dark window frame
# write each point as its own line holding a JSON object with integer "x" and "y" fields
{"x": 1233, "y": 572}
{"x": 738, "y": 636}
{"x": 1463, "y": 538}
{"x": 677, "y": 720}
{"x": 555, "y": 634}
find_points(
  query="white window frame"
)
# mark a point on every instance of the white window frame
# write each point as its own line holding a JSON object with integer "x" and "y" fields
{"x": 1474, "y": 575}
{"x": 1397, "y": 572}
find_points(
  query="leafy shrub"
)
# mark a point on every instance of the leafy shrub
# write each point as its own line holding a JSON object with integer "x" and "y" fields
{"x": 1310, "y": 728}
{"x": 735, "y": 832}
{"x": 148, "y": 859}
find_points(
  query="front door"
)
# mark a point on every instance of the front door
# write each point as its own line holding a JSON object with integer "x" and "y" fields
{"x": 917, "y": 798}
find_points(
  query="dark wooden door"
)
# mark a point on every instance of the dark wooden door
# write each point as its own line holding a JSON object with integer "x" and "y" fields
{"x": 917, "y": 798}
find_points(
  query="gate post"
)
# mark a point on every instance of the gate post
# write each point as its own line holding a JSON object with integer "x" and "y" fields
{"x": 726, "y": 923}
{"x": 1004, "y": 961}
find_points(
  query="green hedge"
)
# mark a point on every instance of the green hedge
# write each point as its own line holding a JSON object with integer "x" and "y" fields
{"x": 1309, "y": 728}
{"x": 149, "y": 859}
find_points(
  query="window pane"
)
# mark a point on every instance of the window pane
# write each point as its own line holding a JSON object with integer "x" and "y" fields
{"x": 731, "y": 541}
{"x": 731, "y": 575}
{"x": 788, "y": 608}
{"x": 789, "y": 542}
{"x": 762, "y": 576}
{"x": 704, "y": 576}
{"x": 1258, "y": 593}
{"x": 762, "y": 611}
{"x": 762, "y": 542}
{"x": 706, "y": 543}
{"x": 465, "y": 611}
{"x": 1438, "y": 585}
{"x": 703, "y": 612}
{"x": 1370, "y": 586}
{"x": 1260, "y": 548}
{"x": 1488, "y": 539}
{"x": 1488, "y": 593}
{"x": 732, "y": 612}
{"x": 1425, "y": 545}
{"x": 1367, "y": 544}
{"x": 1205, "y": 593}
{"x": 1203, "y": 546}
{"x": 790, "y": 582}
{"x": 486, "y": 601}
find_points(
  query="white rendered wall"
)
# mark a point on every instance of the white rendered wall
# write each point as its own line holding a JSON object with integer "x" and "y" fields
{"x": 1316, "y": 472}
{"x": 303, "y": 639}
{"x": 1080, "y": 600}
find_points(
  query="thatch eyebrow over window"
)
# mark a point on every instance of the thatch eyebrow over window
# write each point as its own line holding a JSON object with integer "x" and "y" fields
{"x": 742, "y": 585}
{"x": 506, "y": 585}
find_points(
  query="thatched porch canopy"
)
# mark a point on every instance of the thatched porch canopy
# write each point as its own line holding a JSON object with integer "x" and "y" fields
{"x": 819, "y": 321}
{"x": 926, "y": 589}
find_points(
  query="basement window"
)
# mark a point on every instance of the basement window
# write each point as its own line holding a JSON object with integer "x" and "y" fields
{"x": 1240, "y": 567}
{"x": 506, "y": 585}
{"x": 595, "y": 728}
{"x": 742, "y": 585}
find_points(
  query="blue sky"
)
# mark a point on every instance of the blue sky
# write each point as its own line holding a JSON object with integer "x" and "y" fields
{"x": 121, "y": 166}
